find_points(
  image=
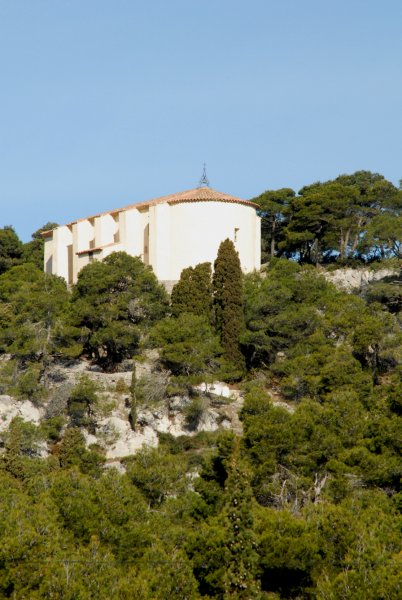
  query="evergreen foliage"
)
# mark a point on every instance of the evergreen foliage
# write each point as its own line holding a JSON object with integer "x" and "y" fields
{"x": 13, "y": 252}
{"x": 225, "y": 551}
{"x": 274, "y": 204}
{"x": 33, "y": 251}
{"x": 28, "y": 384}
{"x": 10, "y": 248}
{"x": 296, "y": 321}
{"x": 306, "y": 503}
{"x": 151, "y": 388}
{"x": 33, "y": 321}
{"x": 352, "y": 217}
{"x": 112, "y": 303}
{"x": 388, "y": 292}
{"x": 133, "y": 398}
{"x": 193, "y": 292}
{"x": 240, "y": 579}
{"x": 188, "y": 345}
{"x": 73, "y": 453}
{"x": 156, "y": 473}
{"x": 80, "y": 405}
{"x": 21, "y": 444}
{"x": 194, "y": 411}
{"x": 228, "y": 301}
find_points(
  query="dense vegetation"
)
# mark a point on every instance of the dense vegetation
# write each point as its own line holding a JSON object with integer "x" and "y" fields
{"x": 354, "y": 217}
{"x": 305, "y": 504}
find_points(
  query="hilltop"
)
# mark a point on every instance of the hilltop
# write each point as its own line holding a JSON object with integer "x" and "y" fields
{"x": 270, "y": 406}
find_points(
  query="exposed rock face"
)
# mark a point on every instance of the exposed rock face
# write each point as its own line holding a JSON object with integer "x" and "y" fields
{"x": 111, "y": 428}
{"x": 114, "y": 433}
{"x": 355, "y": 279}
{"x": 217, "y": 388}
{"x": 10, "y": 408}
{"x": 123, "y": 441}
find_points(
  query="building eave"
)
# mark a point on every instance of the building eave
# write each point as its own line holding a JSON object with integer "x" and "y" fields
{"x": 202, "y": 194}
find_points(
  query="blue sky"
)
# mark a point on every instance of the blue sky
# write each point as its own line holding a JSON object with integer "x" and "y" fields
{"x": 104, "y": 103}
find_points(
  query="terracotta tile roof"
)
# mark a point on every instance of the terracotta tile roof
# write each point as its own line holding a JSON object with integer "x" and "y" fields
{"x": 96, "y": 249}
{"x": 200, "y": 194}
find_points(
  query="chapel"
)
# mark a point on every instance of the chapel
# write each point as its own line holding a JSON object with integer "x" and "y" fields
{"x": 168, "y": 233}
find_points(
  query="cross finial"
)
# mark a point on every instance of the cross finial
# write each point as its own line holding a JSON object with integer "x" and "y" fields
{"x": 204, "y": 181}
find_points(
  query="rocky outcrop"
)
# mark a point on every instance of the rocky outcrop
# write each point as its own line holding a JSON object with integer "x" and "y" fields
{"x": 351, "y": 280}
{"x": 115, "y": 434}
{"x": 217, "y": 407}
{"x": 11, "y": 408}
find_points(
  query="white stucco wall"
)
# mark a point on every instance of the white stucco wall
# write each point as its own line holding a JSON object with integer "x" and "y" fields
{"x": 160, "y": 241}
{"x": 105, "y": 229}
{"x": 198, "y": 228}
{"x": 83, "y": 234}
{"x": 257, "y": 243}
{"x": 132, "y": 223}
{"x": 169, "y": 237}
{"x": 109, "y": 250}
{"x": 58, "y": 250}
{"x": 83, "y": 237}
{"x": 48, "y": 257}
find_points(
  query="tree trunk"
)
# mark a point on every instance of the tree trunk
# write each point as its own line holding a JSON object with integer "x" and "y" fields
{"x": 273, "y": 230}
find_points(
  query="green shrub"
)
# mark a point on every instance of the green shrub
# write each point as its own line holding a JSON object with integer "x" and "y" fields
{"x": 52, "y": 428}
{"x": 82, "y": 400}
{"x": 121, "y": 387}
{"x": 28, "y": 383}
{"x": 151, "y": 389}
{"x": 194, "y": 412}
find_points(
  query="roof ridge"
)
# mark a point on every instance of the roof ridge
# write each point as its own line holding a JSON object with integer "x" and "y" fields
{"x": 198, "y": 194}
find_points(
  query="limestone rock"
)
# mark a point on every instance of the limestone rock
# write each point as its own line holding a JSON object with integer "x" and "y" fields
{"x": 10, "y": 408}
{"x": 356, "y": 279}
{"x": 126, "y": 440}
{"x": 111, "y": 425}
{"x": 217, "y": 388}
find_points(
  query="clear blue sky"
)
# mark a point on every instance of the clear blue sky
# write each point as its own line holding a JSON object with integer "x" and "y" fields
{"x": 108, "y": 102}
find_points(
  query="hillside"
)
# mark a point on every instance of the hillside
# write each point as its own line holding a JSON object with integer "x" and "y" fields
{"x": 300, "y": 500}
{"x": 240, "y": 438}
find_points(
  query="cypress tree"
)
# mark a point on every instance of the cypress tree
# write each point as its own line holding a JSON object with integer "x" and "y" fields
{"x": 228, "y": 301}
{"x": 193, "y": 292}
{"x": 133, "y": 399}
{"x": 240, "y": 579}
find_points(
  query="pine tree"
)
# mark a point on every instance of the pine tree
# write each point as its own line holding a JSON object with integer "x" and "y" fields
{"x": 188, "y": 345}
{"x": 193, "y": 292}
{"x": 10, "y": 248}
{"x": 112, "y": 303}
{"x": 81, "y": 402}
{"x": 228, "y": 301}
